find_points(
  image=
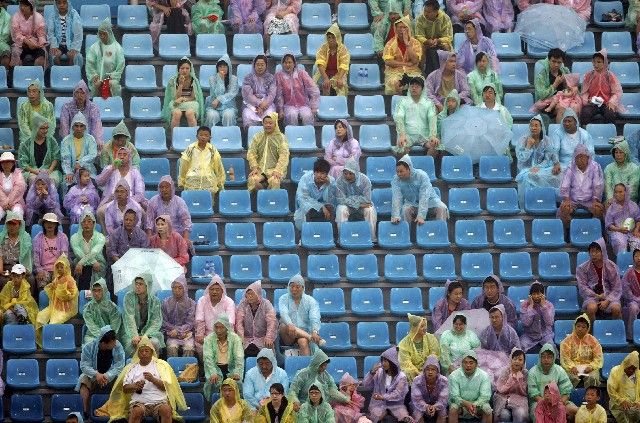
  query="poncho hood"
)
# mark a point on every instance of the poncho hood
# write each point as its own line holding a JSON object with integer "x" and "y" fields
{"x": 335, "y": 30}
{"x": 319, "y": 357}
{"x": 392, "y": 355}
{"x": 515, "y": 350}
{"x": 182, "y": 281}
{"x": 167, "y": 220}
{"x": 11, "y": 215}
{"x": 499, "y": 307}
{"x": 37, "y": 121}
{"x": 624, "y": 147}
{"x": 632, "y": 359}
{"x": 432, "y": 360}
{"x": 570, "y": 113}
{"x": 546, "y": 347}
{"x": 297, "y": 279}
{"x": 65, "y": 263}
{"x": 538, "y": 117}
{"x": 347, "y": 380}
{"x": 105, "y": 26}
{"x": 226, "y": 60}
{"x": 268, "y": 353}
{"x": 347, "y": 125}
{"x": 81, "y": 85}
{"x": 581, "y": 317}
{"x": 555, "y": 393}
{"x": 415, "y": 323}
{"x": 276, "y": 126}
{"x": 476, "y": 24}
{"x": 603, "y": 247}
{"x": 105, "y": 292}
{"x": 605, "y": 55}
{"x": 234, "y": 385}
{"x": 105, "y": 329}
{"x": 317, "y": 385}
{"x": 87, "y": 214}
{"x": 168, "y": 180}
{"x": 497, "y": 280}
{"x": 122, "y": 183}
{"x": 443, "y": 56}
{"x": 75, "y": 413}
{"x": 406, "y": 159}
{"x": 471, "y": 354}
{"x": 256, "y": 287}
{"x": 36, "y": 83}
{"x": 121, "y": 129}
{"x": 224, "y": 320}
{"x": 144, "y": 342}
{"x": 79, "y": 118}
{"x": 406, "y": 22}
{"x": 215, "y": 280}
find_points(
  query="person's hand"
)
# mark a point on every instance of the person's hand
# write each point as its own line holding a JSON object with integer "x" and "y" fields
{"x": 296, "y": 406}
{"x": 213, "y": 379}
{"x": 315, "y": 337}
{"x": 402, "y": 140}
{"x": 268, "y": 343}
{"x": 378, "y": 18}
{"x": 264, "y": 105}
{"x": 378, "y": 397}
{"x": 96, "y": 267}
{"x": 574, "y": 370}
{"x": 42, "y": 276}
{"x": 78, "y": 269}
{"x": 71, "y": 54}
{"x": 215, "y": 103}
{"x": 375, "y": 368}
{"x": 395, "y": 220}
{"x": 281, "y": 15}
{"x": 611, "y": 107}
{"x": 115, "y": 258}
{"x": 419, "y": 220}
{"x": 291, "y": 329}
{"x": 173, "y": 333}
{"x": 251, "y": 20}
{"x": 276, "y": 174}
{"x": 148, "y": 376}
{"x": 326, "y": 84}
{"x": 439, "y": 108}
{"x": 531, "y": 142}
{"x": 135, "y": 341}
{"x": 326, "y": 213}
{"x": 603, "y": 305}
{"x": 588, "y": 369}
{"x": 626, "y": 405}
{"x": 623, "y": 230}
{"x": 534, "y": 169}
{"x": 139, "y": 385}
{"x": 199, "y": 339}
{"x": 433, "y": 142}
{"x": 559, "y": 80}
{"x": 68, "y": 178}
{"x": 96, "y": 80}
{"x": 166, "y": 10}
{"x": 556, "y": 169}
{"x": 101, "y": 379}
{"x": 55, "y": 52}
{"x": 566, "y": 204}
{"x": 339, "y": 83}
{"x": 543, "y": 300}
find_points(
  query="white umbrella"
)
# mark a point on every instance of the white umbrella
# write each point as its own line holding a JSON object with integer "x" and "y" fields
{"x": 549, "y": 26}
{"x": 148, "y": 262}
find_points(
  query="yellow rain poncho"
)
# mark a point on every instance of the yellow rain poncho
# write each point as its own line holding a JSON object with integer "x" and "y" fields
{"x": 241, "y": 413}
{"x": 343, "y": 59}
{"x": 411, "y": 359}
{"x": 622, "y": 389}
{"x": 24, "y": 298}
{"x": 585, "y": 351}
{"x": 269, "y": 154}
{"x": 63, "y": 295}
{"x": 392, "y": 52}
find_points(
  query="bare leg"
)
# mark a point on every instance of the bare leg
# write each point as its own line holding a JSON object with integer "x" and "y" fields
{"x": 136, "y": 415}
{"x": 191, "y": 118}
{"x": 85, "y": 394}
{"x": 303, "y": 346}
{"x": 165, "y": 414}
{"x": 592, "y": 309}
{"x": 453, "y": 415}
{"x": 175, "y": 118}
{"x": 39, "y": 62}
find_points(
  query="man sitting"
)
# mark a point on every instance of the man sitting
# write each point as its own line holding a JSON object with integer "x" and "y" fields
{"x": 623, "y": 386}
{"x": 316, "y": 195}
{"x": 353, "y": 191}
{"x": 470, "y": 391}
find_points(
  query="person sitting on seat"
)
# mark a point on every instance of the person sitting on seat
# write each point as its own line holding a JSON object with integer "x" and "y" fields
{"x": 297, "y": 96}
{"x": 87, "y": 245}
{"x": 36, "y": 106}
{"x": 178, "y": 320}
{"x": 622, "y": 221}
{"x": 62, "y": 293}
{"x": 81, "y": 102}
{"x": 389, "y": 385}
{"x": 201, "y": 165}
{"x": 173, "y": 15}
{"x": 537, "y": 315}
{"x": 16, "y": 302}
{"x": 510, "y": 401}
{"x": 550, "y": 409}
{"x": 268, "y": 156}
{"x": 299, "y": 317}
{"x": 430, "y": 393}
{"x": 622, "y": 171}
{"x": 166, "y": 202}
{"x": 581, "y": 354}
{"x": 212, "y": 305}
{"x": 470, "y": 391}
{"x": 499, "y": 336}
{"x": 402, "y": 55}
{"x": 452, "y": 302}
{"x": 99, "y": 312}
{"x": 601, "y": 91}
{"x": 416, "y": 121}
{"x": 64, "y": 34}
{"x": 492, "y": 295}
{"x": 222, "y": 355}
{"x": 256, "y": 321}
{"x": 590, "y": 411}
{"x": 316, "y": 195}
{"x": 42, "y": 198}
{"x": 29, "y": 35}
{"x": 482, "y": 75}
{"x": 128, "y": 235}
{"x": 353, "y": 192}
{"x": 435, "y": 32}
{"x": 631, "y": 294}
{"x": 442, "y": 81}
{"x": 203, "y": 20}
{"x": 170, "y": 241}
{"x": 258, "y": 93}
{"x": 142, "y": 316}
{"x": 259, "y": 380}
{"x": 230, "y": 408}
{"x": 220, "y": 106}
{"x": 120, "y": 138}
{"x": 316, "y": 408}
{"x": 623, "y": 386}
{"x": 416, "y": 348}
{"x": 105, "y": 62}
{"x": 475, "y": 43}
{"x": 332, "y": 61}
{"x": 277, "y": 408}
{"x": 48, "y": 246}
{"x": 81, "y": 196}
{"x": 78, "y": 149}
{"x": 183, "y": 95}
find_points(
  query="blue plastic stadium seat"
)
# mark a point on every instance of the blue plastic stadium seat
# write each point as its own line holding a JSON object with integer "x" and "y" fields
{"x": 239, "y": 170}
{"x": 64, "y": 78}
{"x": 22, "y": 373}
{"x": 5, "y": 109}
{"x": 471, "y": 234}
{"x": 432, "y": 234}
{"x": 18, "y": 339}
{"x": 23, "y": 76}
{"x": 235, "y": 203}
{"x": 399, "y": 268}
{"x": 245, "y": 269}
{"x": 624, "y": 261}
{"x": 381, "y": 198}
{"x": 315, "y": 16}
{"x": 27, "y": 407}
{"x": 435, "y": 294}
{"x": 282, "y": 267}
{"x": 199, "y": 202}
{"x": 618, "y": 44}
{"x": 301, "y": 138}
{"x": 323, "y": 268}
{"x": 317, "y": 235}
{"x": 380, "y": 170}
{"x": 540, "y": 201}
{"x": 515, "y": 267}
{"x": 584, "y": 231}
{"x": 364, "y": 76}
{"x": 111, "y": 109}
{"x": 145, "y": 109}
{"x": 367, "y": 302}
{"x": 406, "y": 300}
{"x": 62, "y": 373}
{"x": 152, "y": 169}
{"x": 278, "y": 236}
{"x": 370, "y": 361}
{"x": 336, "y": 335}
{"x": 282, "y": 44}
{"x": 502, "y": 201}
{"x": 562, "y": 328}
{"x": 630, "y": 129}
{"x": 631, "y": 102}
{"x": 402, "y": 329}
{"x": 299, "y": 165}
{"x": 57, "y": 105}
{"x": 211, "y": 46}
{"x": 581, "y": 68}
{"x": 355, "y": 235}
{"x": 3, "y": 79}
{"x": 330, "y": 301}
{"x": 227, "y": 139}
{"x": 601, "y": 133}
{"x": 438, "y": 267}
{"x": 457, "y": 169}
{"x": 195, "y": 411}
{"x": 547, "y": 233}
{"x": 332, "y": 108}
{"x": 206, "y": 72}
{"x": 240, "y": 236}
{"x": 363, "y": 268}
{"x": 178, "y": 365}
{"x": 458, "y": 39}
{"x": 554, "y": 266}
{"x": 464, "y": 201}
{"x": 610, "y": 360}
{"x": 338, "y": 366}
{"x": 603, "y": 7}
{"x": 564, "y": 299}
{"x": 514, "y": 75}
{"x": 586, "y": 49}
{"x": 495, "y": 169}
{"x": 35, "y": 230}
{"x": 507, "y": 45}
{"x": 64, "y": 404}
{"x": 137, "y": 46}
{"x": 627, "y": 73}
{"x": 517, "y": 294}
{"x": 636, "y": 332}
{"x": 360, "y": 46}
{"x": 97, "y": 401}
{"x": 58, "y": 338}
{"x": 90, "y": 39}
{"x": 603, "y": 160}
{"x": 369, "y": 107}
{"x": 242, "y": 70}
{"x": 610, "y": 333}
{"x": 163, "y": 294}
{"x": 132, "y": 17}
{"x": 531, "y": 360}
{"x": 372, "y": 336}
{"x": 247, "y": 46}
{"x": 92, "y": 15}
{"x": 151, "y": 140}
{"x": 294, "y": 363}
{"x": 273, "y": 203}
{"x": 314, "y": 41}
{"x": 353, "y": 16}
{"x": 425, "y": 163}
{"x": 509, "y": 233}
{"x": 393, "y": 236}
{"x": 174, "y": 46}
{"x": 518, "y": 105}
{"x": 204, "y": 236}
{"x": 476, "y": 267}
{"x": 375, "y": 138}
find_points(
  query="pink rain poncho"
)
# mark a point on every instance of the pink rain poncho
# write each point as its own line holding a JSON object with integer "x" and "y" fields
{"x": 256, "y": 327}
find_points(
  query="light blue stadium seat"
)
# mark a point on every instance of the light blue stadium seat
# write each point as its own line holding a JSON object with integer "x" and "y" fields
{"x": 624, "y": 261}
{"x": 240, "y": 236}
{"x": 140, "y": 78}
{"x": 518, "y": 105}
{"x": 152, "y": 169}
{"x": 380, "y": 170}
{"x": 211, "y": 46}
{"x": 475, "y": 267}
{"x": 375, "y": 138}
{"x": 315, "y": 16}
{"x": 273, "y": 203}
{"x": 3, "y": 79}
{"x": 358, "y": 80}
{"x": 239, "y": 170}
{"x": 204, "y": 267}
{"x": 471, "y": 234}
{"x": 393, "y": 236}
{"x": 146, "y": 109}
{"x": 509, "y": 233}
{"x": 207, "y": 71}
{"x": 627, "y": 73}
{"x": 603, "y": 160}
{"x": 247, "y": 46}
{"x": 517, "y": 294}
{"x": 458, "y": 39}
{"x": 353, "y": 16}
{"x": 435, "y": 294}
{"x": 630, "y": 129}
{"x": 178, "y": 364}
{"x": 338, "y": 366}
{"x": 602, "y": 7}
{"x": 618, "y": 44}
{"x": 582, "y": 68}
{"x": 367, "y": 302}
{"x": 554, "y": 266}
{"x": 515, "y": 267}
{"x": 369, "y": 107}
{"x": 372, "y": 336}
{"x": 195, "y": 411}
{"x": 282, "y": 267}
{"x": 18, "y": 339}
{"x": 137, "y": 46}
{"x": 474, "y": 291}
{"x": 514, "y": 75}
{"x": 5, "y": 109}
{"x": 97, "y": 401}
{"x": 132, "y": 17}
{"x": 406, "y": 300}
{"x": 582, "y": 257}
{"x": 242, "y": 70}
{"x": 562, "y": 328}
{"x": 235, "y": 203}
{"x": 57, "y": 105}
{"x": 27, "y": 407}
{"x": 425, "y": 163}
{"x": 507, "y": 45}
{"x": 564, "y": 299}
{"x": 227, "y": 139}
{"x": 584, "y": 231}
{"x": 636, "y": 332}
{"x": 323, "y": 268}
{"x": 438, "y": 267}
{"x": 495, "y": 169}
{"x": 282, "y": 44}
{"x": 151, "y": 140}
{"x": 64, "y": 404}
{"x": 432, "y": 234}
{"x": 317, "y": 235}
{"x": 610, "y": 333}
{"x": 371, "y": 360}
{"x": 204, "y": 236}
{"x": 64, "y": 78}
{"x": 457, "y": 169}
{"x": 294, "y": 363}
{"x": 90, "y": 39}
{"x": 22, "y": 373}
{"x": 502, "y": 201}
{"x": 464, "y": 201}
{"x": 174, "y": 46}
{"x": 363, "y": 268}
{"x": 111, "y": 109}
{"x": 62, "y": 373}
{"x": 252, "y": 131}
{"x": 400, "y": 268}
{"x": 330, "y": 301}
{"x": 586, "y": 49}
{"x": 540, "y": 201}
{"x": 332, "y": 108}
{"x": 314, "y": 41}
{"x": 336, "y": 335}
{"x": 631, "y": 102}
{"x": 92, "y": 15}
{"x": 23, "y": 76}
{"x": 360, "y": 46}
{"x": 58, "y": 338}
{"x": 278, "y": 236}
{"x": 299, "y": 165}
{"x": 381, "y": 198}
{"x": 547, "y": 233}
{"x": 301, "y": 138}
{"x": 245, "y": 269}
{"x": 611, "y": 359}
{"x": 355, "y": 235}
{"x": 601, "y": 132}
{"x": 199, "y": 202}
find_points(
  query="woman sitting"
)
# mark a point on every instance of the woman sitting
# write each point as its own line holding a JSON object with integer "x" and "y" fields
{"x": 439, "y": 83}
{"x": 13, "y": 185}
{"x": 297, "y": 96}
{"x": 622, "y": 221}
{"x": 332, "y": 62}
{"x": 62, "y": 293}
{"x": 221, "y": 103}
{"x": 170, "y": 241}
{"x": 183, "y": 95}
{"x": 105, "y": 62}
{"x": 474, "y": 44}
{"x": 341, "y": 148}
{"x": 42, "y": 198}
{"x": 48, "y": 246}
{"x": 482, "y": 75}
{"x": 455, "y": 342}
{"x": 452, "y": 302}
{"x": 281, "y": 18}
{"x": 258, "y": 93}
{"x": 402, "y": 55}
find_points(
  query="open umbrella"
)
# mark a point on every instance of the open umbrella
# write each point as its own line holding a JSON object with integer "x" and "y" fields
{"x": 475, "y": 132}
{"x": 477, "y": 321}
{"x": 549, "y": 26}
{"x": 150, "y": 262}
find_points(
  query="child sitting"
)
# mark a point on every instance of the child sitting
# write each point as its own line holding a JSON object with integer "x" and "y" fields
{"x": 551, "y": 409}
{"x": 591, "y": 411}
{"x": 350, "y": 412}
{"x": 563, "y": 99}
{"x": 42, "y": 198}
{"x": 82, "y": 196}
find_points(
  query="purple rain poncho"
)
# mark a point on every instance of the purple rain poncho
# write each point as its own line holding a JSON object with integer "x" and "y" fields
{"x": 421, "y": 396}
{"x": 471, "y": 7}
{"x": 631, "y": 299}
{"x": 498, "y": 14}
{"x": 587, "y": 279}
{"x": 393, "y": 395}
{"x": 179, "y": 315}
{"x": 434, "y": 81}
{"x": 466, "y": 54}
{"x": 73, "y": 203}
{"x": 243, "y": 10}
{"x": 441, "y": 312}
{"x": 256, "y": 89}
{"x": 120, "y": 241}
{"x": 175, "y": 208}
{"x": 38, "y": 205}
{"x": 91, "y": 112}
{"x": 110, "y": 176}
{"x": 537, "y": 321}
{"x": 114, "y": 215}
{"x": 505, "y": 341}
{"x": 339, "y": 151}
{"x": 590, "y": 188}
{"x": 255, "y": 328}
{"x": 509, "y": 311}
{"x": 615, "y": 216}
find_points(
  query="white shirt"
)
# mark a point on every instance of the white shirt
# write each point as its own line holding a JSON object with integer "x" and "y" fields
{"x": 150, "y": 392}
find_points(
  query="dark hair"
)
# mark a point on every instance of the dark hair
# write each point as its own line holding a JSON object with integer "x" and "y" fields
{"x": 346, "y": 135}
{"x": 417, "y": 80}
{"x": 635, "y": 251}
{"x": 321, "y": 165}
{"x": 108, "y": 337}
{"x": 433, "y": 4}
{"x": 277, "y": 387}
{"x": 489, "y": 279}
{"x": 556, "y": 53}
{"x": 314, "y": 388}
{"x": 226, "y": 77}
{"x": 536, "y": 288}
{"x": 487, "y": 88}
{"x": 71, "y": 418}
{"x": 494, "y": 309}
{"x": 480, "y": 55}
{"x": 581, "y": 319}
{"x": 204, "y": 128}
{"x": 453, "y": 285}
{"x": 592, "y": 388}
{"x": 14, "y": 162}
{"x": 25, "y": 2}
{"x": 289, "y": 55}
{"x": 131, "y": 211}
{"x": 393, "y": 369}
{"x": 597, "y": 54}
{"x": 183, "y": 61}
{"x": 517, "y": 353}
{"x": 402, "y": 163}
{"x": 260, "y": 57}
{"x": 460, "y": 317}
{"x": 55, "y": 230}
{"x": 594, "y": 245}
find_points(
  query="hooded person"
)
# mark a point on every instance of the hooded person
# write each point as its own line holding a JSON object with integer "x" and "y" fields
{"x": 31, "y": 111}
{"x": 621, "y": 220}
{"x": 230, "y": 408}
{"x": 332, "y": 63}
{"x": 129, "y": 392}
{"x": 430, "y": 392}
{"x": 623, "y": 387}
{"x": 105, "y": 61}
{"x": 491, "y": 101}
{"x": 341, "y": 148}
{"x": 473, "y": 44}
{"x": 16, "y": 302}
{"x": 621, "y": 171}
{"x": 452, "y": 302}
{"x": 456, "y": 342}
{"x": 350, "y": 412}
{"x": 178, "y": 319}
{"x": 174, "y": 16}
{"x": 385, "y": 13}
{"x": 277, "y": 408}
{"x": 120, "y": 138}
{"x": 492, "y": 294}
{"x": 99, "y": 312}
{"x": 510, "y": 402}
{"x": 282, "y": 17}
{"x": 568, "y": 98}
{"x": 5, "y": 37}
{"x": 631, "y": 293}
{"x": 551, "y": 408}
{"x": 201, "y": 166}
{"x": 316, "y": 195}
{"x": 222, "y": 355}
{"x": 81, "y": 196}
{"x": 581, "y": 354}
{"x": 39, "y": 152}
{"x": 402, "y": 55}
{"x": 42, "y": 198}
{"x": 499, "y": 15}
{"x": 13, "y": 185}
{"x": 258, "y": 93}
{"x": 256, "y": 322}
{"x": 62, "y": 293}
{"x": 353, "y": 197}
{"x": 170, "y": 241}
{"x": 183, "y": 95}
{"x": 550, "y": 67}
{"x": 246, "y": 16}
{"x": 123, "y": 201}
{"x": 568, "y": 136}
{"x": 31, "y": 28}
{"x": 315, "y": 372}
{"x": 463, "y": 11}
{"x": 415, "y": 348}
{"x": 537, "y": 315}
{"x": 601, "y": 91}
{"x": 213, "y": 304}
{"x": 141, "y": 316}
{"x": 435, "y": 31}
{"x": 64, "y": 34}
{"x": 166, "y": 202}
{"x": 499, "y": 336}
{"x": 75, "y": 417}
{"x": 78, "y": 149}
{"x": 87, "y": 245}
{"x": 81, "y": 103}
{"x": 220, "y": 105}
{"x": 297, "y": 95}
{"x": 299, "y": 317}
{"x": 259, "y": 379}
{"x": 268, "y": 154}
{"x": 436, "y": 91}
{"x": 202, "y": 21}
{"x": 469, "y": 384}
{"x": 451, "y": 104}
{"x": 482, "y": 75}
{"x": 316, "y": 408}
{"x": 389, "y": 385}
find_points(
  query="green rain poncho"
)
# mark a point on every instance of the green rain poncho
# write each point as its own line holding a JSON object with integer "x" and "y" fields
{"x": 196, "y": 105}
{"x": 26, "y": 113}
{"x": 106, "y": 155}
{"x": 628, "y": 173}
{"x": 321, "y": 413}
{"x": 105, "y": 60}
{"x": 132, "y": 321}
{"x": 538, "y": 379}
{"x": 299, "y": 387}
{"x": 444, "y": 113}
{"x": 199, "y": 21}
{"x": 26, "y": 155}
{"x": 475, "y": 389}
{"x": 5, "y": 32}
{"x": 97, "y": 314}
{"x": 86, "y": 254}
{"x": 416, "y": 120}
{"x": 381, "y": 29}
{"x": 478, "y": 80}
{"x": 235, "y": 356}
{"x": 26, "y": 255}
{"x": 543, "y": 86}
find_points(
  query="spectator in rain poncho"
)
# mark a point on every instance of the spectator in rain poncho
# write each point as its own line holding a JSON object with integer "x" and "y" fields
{"x": 39, "y": 152}
{"x": 491, "y": 102}
{"x": 48, "y": 246}
{"x": 105, "y": 61}
{"x": 492, "y": 295}
{"x": 581, "y": 354}
{"x": 178, "y": 320}
{"x": 246, "y": 16}
{"x": 87, "y": 245}
{"x": 416, "y": 347}
{"x": 81, "y": 196}
{"x": 78, "y": 149}
{"x": 183, "y": 95}
{"x": 568, "y": 98}
{"x": 332, "y": 63}
{"x": 174, "y": 15}
{"x": 299, "y": 317}
{"x": 498, "y": 14}
{"x": 297, "y": 95}
{"x": 202, "y": 21}
{"x": 469, "y": 391}
{"x": 16, "y": 302}
{"x": 5, "y": 36}
{"x": 603, "y": 83}
{"x": 463, "y": 11}
{"x": 499, "y": 336}
{"x": 170, "y": 241}
{"x": 220, "y": 106}
{"x": 474, "y": 44}
{"x": 568, "y": 136}
{"x": 455, "y": 342}
{"x": 201, "y": 166}
{"x": 623, "y": 234}
{"x": 510, "y": 401}
{"x": 62, "y": 293}
{"x": 256, "y": 322}
{"x": 389, "y": 385}
{"x": 258, "y": 93}
{"x": 435, "y": 32}
{"x": 621, "y": 171}
{"x": 142, "y": 316}
{"x": 230, "y": 408}
{"x": 441, "y": 82}
{"x": 631, "y": 294}
{"x": 81, "y": 103}
{"x": 259, "y": 379}
{"x": 13, "y": 185}
{"x": 524, "y": 4}
{"x": 537, "y": 315}
{"x": 430, "y": 392}
{"x": 120, "y": 138}
{"x": 15, "y": 243}
{"x": 29, "y": 34}
{"x": 281, "y": 17}
{"x": 550, "y": 408}
{"x": 452, "y": 302}
{"x": 550, "y": 79}
{"x": 36, "y": 106}
{"x": 590, "y": 411}
{"x": 65, "y": 34}
{"x": 277, "y": 408}
{"x": 166, "y": 202}
{"x": 384, "y": 30}
{"x": 353, "y": 193}
{"x": 128, "y": 235}
{"x": 402, "y": 55}
{"x": 222, "y": 355}
{"x": 451, "y": 104}
{"x": 268, "y": 156}
{"x": 316, "y": 371}
{"x": 350, "y": 412}
{"x": 380, "y": 10}
{"x": 581, "y": 7}
{"x": 341, "y": 148}
{"x": 481, "y": 76}
{"x": 623, "y": 387}
{"x": 114, "y": 213}
{"x": 416, "y": 121}
{"x": 213, "y": 304}
{"x": 316, "y": 195}
{"x": 99, "y": 312}
{"x": 42, "y": 198}
{"x": 316, "y": 409}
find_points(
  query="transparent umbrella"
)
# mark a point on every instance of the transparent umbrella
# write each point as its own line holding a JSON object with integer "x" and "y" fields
{"x": 549, "y": 26}
{"x": 150, "y": 262}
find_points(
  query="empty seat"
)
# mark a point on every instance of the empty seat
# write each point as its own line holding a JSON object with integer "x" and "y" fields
{"x": 92, "y": 15}
{"x": 406, "y": 300}
{"x": 438, "y": 267}
{"x": 495, "y": 169}
{"x": 507, "y": 45}
{"x": 393, "y": 236}
{"x": 338, "y": 366}
{"x": 583, "y": 232}
{"x": 369, "y": 107}
{"x": 554, "y": 266}
{"x": 111, "y": 109}
{"x": 601, "y": 8}
{"x": 610, "y": 333}
{"x": 22, "y": 373}
{"x": 464, "y": 201}
{"x": 5, "y": 110}
{"x": 282, "y": 267}
{"x": 132, "y": 17}
{"x": 204, "y": 236}
{"x": 601, "y": 133}
{"x": 509, "y": 233}
{"x": 299, "y": 165}
{"x": 58, "y": 338}
{"x": 62, "y": 373}
{"x": 195, "y": 411}
{"x": 330, "y": 301}
{"x": 375, "y": 138}
{"x": 314, "y": 41}
{"x": 3, "y": 78}
{"x": 457, "y": 169}
{"x": 152, "y": 169}
{"x": 360, "y": 46}
{"x": 367, "y": 302}
{"x": 380, "y": 170}
{"x": 563, "y": 298}
{"x": 240, "y": 236}
{"x": 425, "y": 163}
{"x": 315, "y": 16}
{"x": 278, "y": 235}
{"x": 471, "y": 234}
{"x": 515, "y": 267}
{"x": 64, "y": 404}
{"x": 301, "y": 138}
{"x": 618, "y": 44}
{"x": 317, "y": 235}
{"x": 18, "y": 339}
{"x": 355, "y": 235}
{"x": 332, "y": 108}
{"x": 517, "y": 294}
{"x": 273, "y": 203}
{"x": 624, "y": 261}
{"x": 353, "y": 16}
{"x": 151, "y": 140}
{"x": 400, "y": 267}
{"x": 23, "y": 76}
{"x": 627, "y": 73}
{"x": 631, "y": 102}
{"x": 211, "y": 46}
{"x": 562, "y": 328}
{"x": 227, "y": 139}
{"x": 514, "y": 75}
{"x": 502, "y": 201}
{"x": 373, "y": 336}
{"x": 586, "y": 49}
{"x": 518, "y": 105}
{"x": 336, "y": 335}
{"x": 435, "y": 294}
{"x": 432, "y": 234}
{"x": 97, "y": 401}
{"x": 137, "y": 46}
{"x": 540, "y": 201}
{"x": 235, "y": 203}
{"x": 294, "y": 363}
{"x": 239, "y": 176}
{"x": 282, "y": 44}
{"x": 245, "y": 269}
{"x": 547, "y": 233}
{"x": 636, "y": 332}
{"x": 381, "y": 199}
{"x": 145, "y": 109}
{"x": 174, "y": 46}
{"x": 364, "y": 76}
{"x": 475, "y": 267}
{"x": 199, "y": 202}
{"x": 64, "y": 78}
{"x": 27, "y": 407}
{"x": 363, "y": 268}
{"x": 247, "y": 46}
{"x": 204, "y": 267}
{"x": 323, "y": 268}
{"x": 611, "y": 359}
